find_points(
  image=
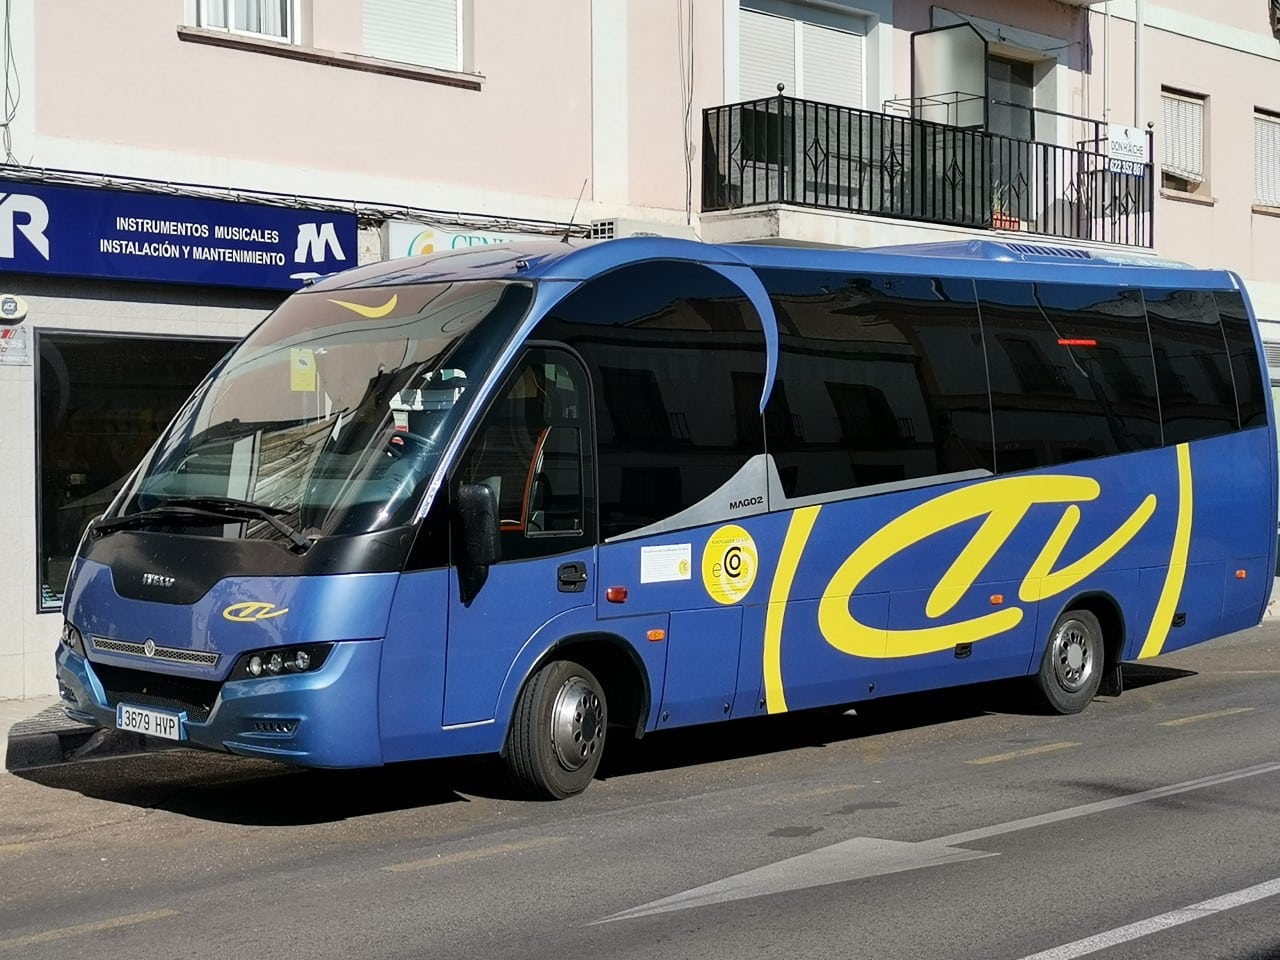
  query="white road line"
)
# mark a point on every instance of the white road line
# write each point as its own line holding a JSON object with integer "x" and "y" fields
{"x": 1174, "y": 918}
{"x": 80, "y": 929}
{"x": 1231, "y": 712}
{"x": 863, "y": 857}
{"x": 1100, "y": 806}
{"x": 1028, "y": 752}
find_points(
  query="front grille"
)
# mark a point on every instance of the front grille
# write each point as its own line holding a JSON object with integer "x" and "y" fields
{"x": 158, "y": 690}
{"x": 281, "y": 727}
{"x": 171, "y": 654}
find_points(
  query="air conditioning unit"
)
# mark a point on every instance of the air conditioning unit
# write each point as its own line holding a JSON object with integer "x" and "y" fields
{"x": 616, "y": 228}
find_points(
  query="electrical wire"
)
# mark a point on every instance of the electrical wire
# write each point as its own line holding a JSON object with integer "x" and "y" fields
{"x": 12, "y": 86}
{"x": 685, "y": 40}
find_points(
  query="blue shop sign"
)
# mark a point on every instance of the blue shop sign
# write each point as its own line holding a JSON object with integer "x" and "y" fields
{"x": 123, "y": 235}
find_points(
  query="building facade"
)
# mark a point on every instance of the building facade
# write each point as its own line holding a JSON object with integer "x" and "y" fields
{"x": 173, "y": 168}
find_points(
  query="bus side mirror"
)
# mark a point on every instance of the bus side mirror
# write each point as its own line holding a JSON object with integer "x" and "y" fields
{"x": 476, "y": 543}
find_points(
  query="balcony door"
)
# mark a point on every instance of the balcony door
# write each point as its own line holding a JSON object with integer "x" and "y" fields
{"x": 1010, "y": 100}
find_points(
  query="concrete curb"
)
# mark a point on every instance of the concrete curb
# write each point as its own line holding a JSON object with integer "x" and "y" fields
{"x": 51, "y": 737}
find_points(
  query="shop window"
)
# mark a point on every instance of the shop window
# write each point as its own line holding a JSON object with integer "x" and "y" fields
{"x": 102, "y": 401}
{"x": 272, "y": 19}
{"x": 1184, "y": 164}
{"x": 426, "y": 33}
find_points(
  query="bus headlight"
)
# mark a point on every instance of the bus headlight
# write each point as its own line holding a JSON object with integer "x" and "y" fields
{"x": 71, "y": 638}
{"x": 280, "y": 661}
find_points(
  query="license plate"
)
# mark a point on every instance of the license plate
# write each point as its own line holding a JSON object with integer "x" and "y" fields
{"x": 153, "y": 723}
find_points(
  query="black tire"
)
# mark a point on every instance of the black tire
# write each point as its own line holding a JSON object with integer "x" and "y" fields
{"x": 1073, "y": 662}
{"x": 557, "y": 733}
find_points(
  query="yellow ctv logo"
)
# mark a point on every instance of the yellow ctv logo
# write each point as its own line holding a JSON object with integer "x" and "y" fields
{"x": 1001, "y": 505}
{"x": 251, "y": 611}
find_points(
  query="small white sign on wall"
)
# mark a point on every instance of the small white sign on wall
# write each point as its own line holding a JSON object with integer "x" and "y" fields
{"x": 15, "y": 346}
{"x": 1127, "y": 150}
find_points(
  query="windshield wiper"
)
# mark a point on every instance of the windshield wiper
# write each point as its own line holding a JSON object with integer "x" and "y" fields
{"x": 206, "y": 510}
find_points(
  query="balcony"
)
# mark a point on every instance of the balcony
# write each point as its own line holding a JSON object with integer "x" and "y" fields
{"x": 785, "y": 151}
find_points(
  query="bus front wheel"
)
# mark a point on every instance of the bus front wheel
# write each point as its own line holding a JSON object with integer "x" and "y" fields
{"x": 1073, "y": 661}
{"x": 557, "y": 733}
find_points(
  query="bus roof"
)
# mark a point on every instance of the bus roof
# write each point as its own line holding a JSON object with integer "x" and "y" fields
{"x": 977, "y": 259}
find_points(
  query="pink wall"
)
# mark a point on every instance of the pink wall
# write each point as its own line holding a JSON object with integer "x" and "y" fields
{"x": 1224, "y": 232}
{"x": 134, "y": 82}
{"x": 656, "y": 159}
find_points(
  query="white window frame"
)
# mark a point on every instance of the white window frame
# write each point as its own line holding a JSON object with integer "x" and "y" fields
{"x": 290, "y": 34}
{"x": 1266, "y": 158}
{"x": 798, "y": 12}
{"x": 460, "y": 57}
{"x": 1195, "y": 183}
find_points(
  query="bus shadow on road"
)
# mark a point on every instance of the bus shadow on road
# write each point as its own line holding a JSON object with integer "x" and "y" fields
{"x": 234, "y": 790}
{"x": 759, "y": 736}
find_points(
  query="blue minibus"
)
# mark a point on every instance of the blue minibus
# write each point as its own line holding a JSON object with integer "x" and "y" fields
{"x": 527, "y": 499}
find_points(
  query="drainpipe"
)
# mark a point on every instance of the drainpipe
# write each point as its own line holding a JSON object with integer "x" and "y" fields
{"x": 1139, "y": 74}
{"x": 1106, "y": 62}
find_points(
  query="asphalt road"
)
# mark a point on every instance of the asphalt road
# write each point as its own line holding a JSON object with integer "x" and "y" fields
{"x": 954, "y": 826}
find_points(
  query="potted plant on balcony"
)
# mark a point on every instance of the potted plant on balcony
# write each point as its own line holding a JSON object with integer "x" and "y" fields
{"x": 1001, "y": 218}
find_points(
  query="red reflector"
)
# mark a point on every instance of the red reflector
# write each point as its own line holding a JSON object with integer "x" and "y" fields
{"x": 616, "y": 594}
{"x": 1076, "y": 342}
{"x": 656, "y": 636}
{"x": 398, "y": 441}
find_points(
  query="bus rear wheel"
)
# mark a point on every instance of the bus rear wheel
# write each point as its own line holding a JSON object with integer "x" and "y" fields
{"x": 557, "y": 733}
{"x": 1073, "y": 662}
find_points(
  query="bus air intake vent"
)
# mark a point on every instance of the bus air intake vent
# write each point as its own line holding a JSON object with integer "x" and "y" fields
{"x": 169, "y": 654}
{"x": 1272, "y": 350}
{"x": 1038, "y": 250}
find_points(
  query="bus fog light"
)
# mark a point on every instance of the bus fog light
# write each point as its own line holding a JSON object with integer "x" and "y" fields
{"x": 280, "y": 661}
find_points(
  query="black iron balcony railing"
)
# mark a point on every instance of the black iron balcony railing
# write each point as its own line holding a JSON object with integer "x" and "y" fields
{"x": 781, "y": 150}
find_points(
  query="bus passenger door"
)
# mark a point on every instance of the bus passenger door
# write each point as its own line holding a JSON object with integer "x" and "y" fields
{"x": 533, "y": 450}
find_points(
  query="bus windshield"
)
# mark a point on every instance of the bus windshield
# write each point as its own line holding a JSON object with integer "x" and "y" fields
{"x": 329, "y": 418}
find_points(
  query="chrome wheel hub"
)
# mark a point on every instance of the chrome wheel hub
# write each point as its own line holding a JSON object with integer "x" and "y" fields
{"x": 577, "y": 723}
{"x": 1073, "y": 663}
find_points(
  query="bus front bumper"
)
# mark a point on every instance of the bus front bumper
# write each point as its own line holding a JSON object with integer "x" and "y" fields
{"x": 327, "y": 718}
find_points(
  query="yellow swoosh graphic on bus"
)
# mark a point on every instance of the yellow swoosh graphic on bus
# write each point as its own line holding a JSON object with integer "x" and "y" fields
{"x": 369, "y": 313}
{"x": 253, "y": 610}
{"x": 802, "y": 522}
{"x": 1172, "y": 590}
{"x": 1002, "y": 506}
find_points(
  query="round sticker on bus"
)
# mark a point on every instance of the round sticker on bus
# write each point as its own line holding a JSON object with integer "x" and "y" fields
{"x": 729, "y": 564}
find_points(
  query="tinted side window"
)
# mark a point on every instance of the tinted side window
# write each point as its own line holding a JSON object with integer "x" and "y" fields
{"x": 1244, "y": 358}
{"x": 1072, "y": 375}
{"x": 676, "y": 356}
{"x": 529, "y": 450}
{"x": 1196, "y": 395}
{"x": 880, "y": 379}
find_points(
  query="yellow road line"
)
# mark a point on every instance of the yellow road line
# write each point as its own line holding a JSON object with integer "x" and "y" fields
{"x": 468, "y": 856}
{"x": 80, "y": 929}
{"x": 1206, "y": 716}
{"x": 1029, "y": 752}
